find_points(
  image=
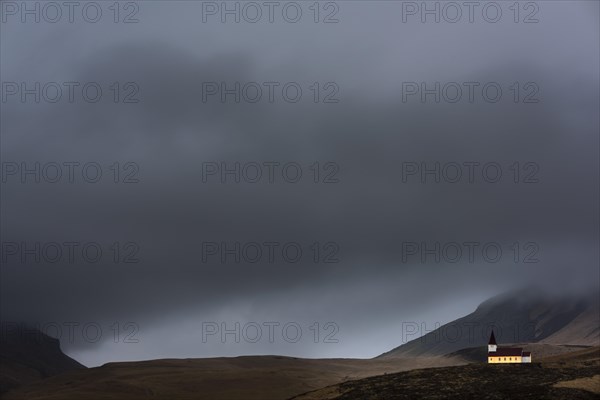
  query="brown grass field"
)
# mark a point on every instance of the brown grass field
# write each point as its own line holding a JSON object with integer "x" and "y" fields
{"x": 252, "y": 377}
{"x": 566, "y": 372}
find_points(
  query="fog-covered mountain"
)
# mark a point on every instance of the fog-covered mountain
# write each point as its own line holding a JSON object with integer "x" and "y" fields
{"x": 522, "y": 316}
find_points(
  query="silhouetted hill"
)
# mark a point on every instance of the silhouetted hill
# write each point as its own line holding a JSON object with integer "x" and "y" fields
{"x": 28, "y": 355}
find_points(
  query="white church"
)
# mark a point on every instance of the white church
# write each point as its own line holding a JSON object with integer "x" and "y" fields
{"x": 506, "y": 355}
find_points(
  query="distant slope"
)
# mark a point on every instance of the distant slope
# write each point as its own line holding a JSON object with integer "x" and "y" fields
{"x": 583, "y": 330}
{"x": 29, "y": 356}
{"x": 567, "y": 378}
{"x": 247, "y": 378}
{"x": 524, "y": 316}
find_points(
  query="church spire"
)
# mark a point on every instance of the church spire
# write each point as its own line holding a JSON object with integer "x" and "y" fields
{"x": 492, "y": 344}
{"x": 492, "y": 338}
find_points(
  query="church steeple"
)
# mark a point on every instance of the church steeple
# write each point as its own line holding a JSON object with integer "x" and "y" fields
{"x": 492, "y": 344}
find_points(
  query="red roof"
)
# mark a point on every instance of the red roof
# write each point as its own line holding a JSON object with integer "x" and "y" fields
{"x": 506, "y": 352}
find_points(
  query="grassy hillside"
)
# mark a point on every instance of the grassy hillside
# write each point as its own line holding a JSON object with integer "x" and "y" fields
{"x": 247, "y": 378}
{"x": 570, "y": 376}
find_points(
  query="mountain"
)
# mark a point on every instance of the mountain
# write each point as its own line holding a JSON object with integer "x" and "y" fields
{"x": 522, "y": 316}
{"x": 28, "y": 355}
{"x": 549, "y": 326}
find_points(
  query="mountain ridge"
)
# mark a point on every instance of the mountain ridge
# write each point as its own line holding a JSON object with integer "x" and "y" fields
{"x": 28, "y": 355}
{"x": 525, "y": 315}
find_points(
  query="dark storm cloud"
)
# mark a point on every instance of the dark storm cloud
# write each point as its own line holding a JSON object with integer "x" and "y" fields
{"x": 369, "y": 213}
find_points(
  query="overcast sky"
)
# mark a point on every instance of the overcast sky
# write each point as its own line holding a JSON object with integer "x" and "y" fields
{"x": 372, "y": 131}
